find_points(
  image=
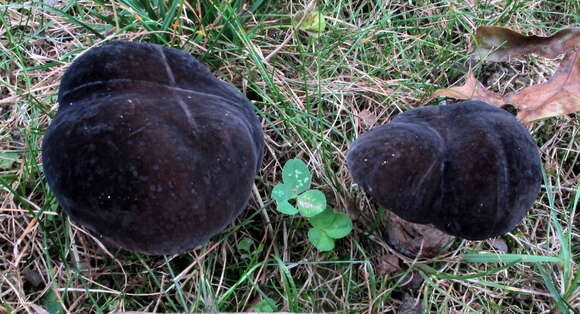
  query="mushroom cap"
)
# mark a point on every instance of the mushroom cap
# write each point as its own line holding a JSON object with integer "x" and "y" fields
{"x": 470, "y": 169}
{"x": 149, "y": 150}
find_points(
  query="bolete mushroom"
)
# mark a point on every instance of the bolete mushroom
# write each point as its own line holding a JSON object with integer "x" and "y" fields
{"x": 149, "y": 150}
{"x": 469, "y": 169}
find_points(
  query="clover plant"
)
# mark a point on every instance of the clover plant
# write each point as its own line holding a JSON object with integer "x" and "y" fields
{"x": 327, "y": 225}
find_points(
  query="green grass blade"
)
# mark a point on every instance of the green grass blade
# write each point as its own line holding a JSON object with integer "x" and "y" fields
{"x": 170, "y": 17}
{"x": 289, "y": 285}
{"x": 508, "y": 258}
{"x": 182, "y": 300}
{"x": 58, "y": 12}
{"x": 562, "y": 304}
{"x": 245, "y": 276}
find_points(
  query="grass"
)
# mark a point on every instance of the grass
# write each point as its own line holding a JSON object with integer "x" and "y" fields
{"x": 314, "y": 96}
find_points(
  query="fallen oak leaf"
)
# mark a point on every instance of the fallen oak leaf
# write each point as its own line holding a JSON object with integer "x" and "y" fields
{"x": 560, "y": 95}
{"x": 472, "y": 89}
{"x": 500, "y": 44}
{"x": 556, "y": 97}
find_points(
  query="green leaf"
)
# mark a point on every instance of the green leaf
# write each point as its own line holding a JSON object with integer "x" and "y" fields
{"x": 286, "y": 208}
{"x": 296, "y": 174}
{"x": 283, "y": 192}
{"x": 289, "y": 285}
{"x": 7, "y": 159}
{"x": 340, "y": 227}
{"x": 245, "y": 244}
{"x": 320, "y": 240}
{"x": 50, "y": 302}
{"x": 324, "y": 219}
{"x": 314, "y": 22}
{"x": 311, "y": 203}
{"x": 264, "y": 306}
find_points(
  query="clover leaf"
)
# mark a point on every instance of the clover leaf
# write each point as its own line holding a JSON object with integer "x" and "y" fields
{"x": 286, "y": 208}
{"x": 296, "y": 174}
{"x": 7, "y": 159}
{"x": 324, "y": 219}
{"x": 327, "y": 224}
{"x": 314, "y": 23}
{"x": 340, "y": 227}
{"x": 311, "y": 203}
{"x": 283, "y": 192}
{"x": 320, "y": 240}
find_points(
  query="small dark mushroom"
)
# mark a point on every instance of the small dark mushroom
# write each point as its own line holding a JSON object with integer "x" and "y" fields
{"x": 149, "y": 150}
{"x": 470, "y": 169}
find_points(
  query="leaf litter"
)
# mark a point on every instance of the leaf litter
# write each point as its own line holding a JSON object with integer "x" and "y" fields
{"x": 558, "y": 96}
{"x": 499, "y": 44}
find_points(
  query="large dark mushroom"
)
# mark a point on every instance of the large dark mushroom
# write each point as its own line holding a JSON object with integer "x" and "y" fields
{"x": 470, "y": 169}
{"x": 149, "y": 150}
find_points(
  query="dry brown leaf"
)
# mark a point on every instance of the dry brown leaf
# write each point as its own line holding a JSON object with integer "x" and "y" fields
{"x": 411, "y": 305}
{"x": 472, "y": 89}
{"x": 367, "y": 118}
{"x": 412, "y": 281}
{"x": 389, "y": 265}
{"x": 499, "y": 244}
{"x": 500, "y": 44}
{"x": 560, "y": 95}
{"x": 415, "y": 239}
{"x": 32, "y": 276}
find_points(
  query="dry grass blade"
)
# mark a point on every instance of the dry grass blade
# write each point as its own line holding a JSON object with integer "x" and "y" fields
{"x": 500, "y": 44}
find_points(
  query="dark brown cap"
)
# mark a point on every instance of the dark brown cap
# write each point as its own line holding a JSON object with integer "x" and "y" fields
{"x": 149, "y": 150}
{"x": 470, "y": 169}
